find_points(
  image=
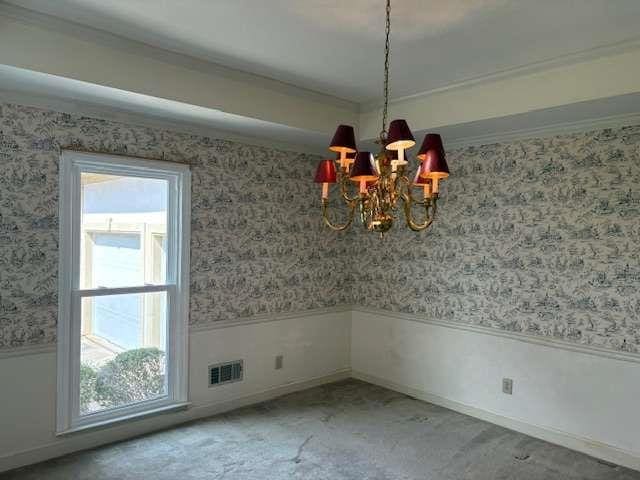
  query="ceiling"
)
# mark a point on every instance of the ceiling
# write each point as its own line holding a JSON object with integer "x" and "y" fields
{"x": 335, "y": 47}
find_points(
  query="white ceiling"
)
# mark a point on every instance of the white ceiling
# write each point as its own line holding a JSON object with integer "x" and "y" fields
{"x": 336, "y": 46}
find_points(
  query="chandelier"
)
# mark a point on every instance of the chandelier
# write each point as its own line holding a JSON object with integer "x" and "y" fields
{"x": 383, "y": 180}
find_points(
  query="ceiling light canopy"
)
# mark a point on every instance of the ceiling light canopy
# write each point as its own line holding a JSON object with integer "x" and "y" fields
{"x": 382, "y": 179}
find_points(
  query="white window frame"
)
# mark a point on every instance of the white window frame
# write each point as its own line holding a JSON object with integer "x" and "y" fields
{"x": 72, "y": 164}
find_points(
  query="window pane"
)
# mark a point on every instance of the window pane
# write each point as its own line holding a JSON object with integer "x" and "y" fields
{"x": 123, "y": 345}
{"x": 116, "y": 260}
{"x": 122, "y": 220}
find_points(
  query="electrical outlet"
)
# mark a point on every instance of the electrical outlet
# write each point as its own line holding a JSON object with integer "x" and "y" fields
{"x": 507, "y": 386}
{"x": 279, "y": 362}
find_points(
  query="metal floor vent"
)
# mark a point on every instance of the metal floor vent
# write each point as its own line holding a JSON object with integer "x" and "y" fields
{"x": 227, "y": 372}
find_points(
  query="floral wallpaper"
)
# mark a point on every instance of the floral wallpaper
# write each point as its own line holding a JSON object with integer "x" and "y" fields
{"x": 539, "y": 236}
{"x": 257, "y": 242}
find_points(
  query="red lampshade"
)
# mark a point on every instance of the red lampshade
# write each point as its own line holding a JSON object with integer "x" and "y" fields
{"x": 326, "y": 172}
{"x": 364, "y": 168}
{"x": 399, "y": 136}
{"x": 344, "y": 140}
{"x": 432, "y": 156}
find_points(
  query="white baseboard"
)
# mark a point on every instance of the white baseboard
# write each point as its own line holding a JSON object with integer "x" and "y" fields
{"x": 588, "y": 446}
{"x": 71, "y": 444}
{"x": 147, "y": 425}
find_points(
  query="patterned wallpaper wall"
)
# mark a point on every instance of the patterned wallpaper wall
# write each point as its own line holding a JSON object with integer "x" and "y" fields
{"x": 257, "y": 243}
{"x": 539, "y": 236}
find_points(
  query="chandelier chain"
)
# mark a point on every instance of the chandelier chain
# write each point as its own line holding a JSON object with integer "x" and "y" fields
{"x": 383, "y": 132}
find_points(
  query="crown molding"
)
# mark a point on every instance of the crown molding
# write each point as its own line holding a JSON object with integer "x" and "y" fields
{"x": 551, "y": 130}
{"x": 119, "y": 115}
{"x": 535, "y": 67}
{"x": 455, "y": 140}
{"x": 172, "y": 57}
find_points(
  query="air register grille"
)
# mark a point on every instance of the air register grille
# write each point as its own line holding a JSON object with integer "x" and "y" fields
{"x": 227, "y": 372}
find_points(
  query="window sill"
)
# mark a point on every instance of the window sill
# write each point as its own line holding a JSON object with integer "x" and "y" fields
{"x": 125, "y": 418}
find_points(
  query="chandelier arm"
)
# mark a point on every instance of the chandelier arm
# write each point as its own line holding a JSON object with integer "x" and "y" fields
{"x": 343, "y": 190}
{"x": 411, "y": 223}
{"x": 338, "y": 228}
{"x": 414, "y": 201}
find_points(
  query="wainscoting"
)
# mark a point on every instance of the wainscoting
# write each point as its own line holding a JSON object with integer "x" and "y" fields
{"x": 578, "y": 397}
{"x": 586, "y": 400}
{"x": 315, "y": 345}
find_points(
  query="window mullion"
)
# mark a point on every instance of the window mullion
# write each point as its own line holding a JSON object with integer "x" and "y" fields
{"x": 101, "y": 292}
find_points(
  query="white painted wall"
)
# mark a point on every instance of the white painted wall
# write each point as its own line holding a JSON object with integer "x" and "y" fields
{"x": 315, "y": 346}
{"x": 585, "y": 401}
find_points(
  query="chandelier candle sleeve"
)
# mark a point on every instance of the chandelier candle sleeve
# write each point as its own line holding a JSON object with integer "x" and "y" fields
{"x": 325, "y": 174}
{"x": 393, "y": 155}
{"x": 345, "y": 160}
{"x": 425, "y": 183}
{"x": 397, "y": 159}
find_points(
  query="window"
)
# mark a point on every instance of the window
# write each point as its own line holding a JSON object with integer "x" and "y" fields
{"x": 124, "y": 266}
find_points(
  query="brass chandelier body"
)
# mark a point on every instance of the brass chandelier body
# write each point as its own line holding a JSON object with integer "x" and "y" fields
{"x": 385, "y": 185}
{"x": 377, "y": 206}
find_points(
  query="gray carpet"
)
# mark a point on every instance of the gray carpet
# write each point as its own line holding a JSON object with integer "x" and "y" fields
{"x": 346, "y": 430}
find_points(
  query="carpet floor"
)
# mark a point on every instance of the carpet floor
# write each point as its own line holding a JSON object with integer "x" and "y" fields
{"x": 345, "y": 430}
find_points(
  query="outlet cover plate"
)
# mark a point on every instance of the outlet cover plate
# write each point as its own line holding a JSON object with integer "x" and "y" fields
{"x": 507, "y": 386}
